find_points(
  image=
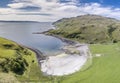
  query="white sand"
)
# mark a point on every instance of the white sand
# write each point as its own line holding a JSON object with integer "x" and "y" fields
{"x": 65, "y": 64}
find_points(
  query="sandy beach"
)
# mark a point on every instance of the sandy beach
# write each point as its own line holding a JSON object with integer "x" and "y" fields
{"x": 65, "y": 63}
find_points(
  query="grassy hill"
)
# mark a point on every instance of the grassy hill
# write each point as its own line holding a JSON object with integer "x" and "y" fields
{"x": 18, "y": 63}
{"x": 88, "y": 29}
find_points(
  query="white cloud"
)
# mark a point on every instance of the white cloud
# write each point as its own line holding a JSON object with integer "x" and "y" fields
{"x": 20, "y": 5}
{"x": 54, "y": 9}
{"x": 17, "y": 5}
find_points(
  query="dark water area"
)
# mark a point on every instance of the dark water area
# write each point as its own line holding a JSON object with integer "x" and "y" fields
{"x": 22, "y": 33}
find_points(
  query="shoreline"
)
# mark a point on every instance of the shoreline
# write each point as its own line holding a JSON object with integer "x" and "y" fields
{"x": 39, "y": 55}
{"x": 83, "y": 61}
{"x": 67, "y": 63}
{"x": 65, "y": 40}
{"x": 44, "y": 60}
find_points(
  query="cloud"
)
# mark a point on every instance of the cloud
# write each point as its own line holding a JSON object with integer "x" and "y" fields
{"x": 17, "y": 5}
{"x": 52, "y": 10}
{"x": 34, "y": 13}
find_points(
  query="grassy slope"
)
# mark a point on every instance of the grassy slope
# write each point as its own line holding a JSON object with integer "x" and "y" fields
{"x": 19, "y": 62}
{"x": 88, "y": 29}
{"x": 8, "y": 78}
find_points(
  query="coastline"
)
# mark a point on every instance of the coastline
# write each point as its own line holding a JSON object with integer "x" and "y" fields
{"x": 68, "y": 62}
{"x": 77, "y": 60}
{"x": 84, "y": 58}
{"x": 39, "y": 55}
{"x": 67, "y": 41}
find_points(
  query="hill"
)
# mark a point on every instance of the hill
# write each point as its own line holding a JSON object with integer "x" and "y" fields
{"x": 17, "y": 63}
{"x": 88, "y": 29}
{"x": 93, "y": 29}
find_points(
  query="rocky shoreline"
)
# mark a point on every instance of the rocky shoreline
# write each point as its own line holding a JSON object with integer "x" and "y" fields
{"x": 39, "y": 54}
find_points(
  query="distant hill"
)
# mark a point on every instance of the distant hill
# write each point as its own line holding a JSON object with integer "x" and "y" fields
{"x": 88, "y": 29}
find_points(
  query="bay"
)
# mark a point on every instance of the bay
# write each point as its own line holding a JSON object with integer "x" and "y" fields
{"x": 22, "y": 33}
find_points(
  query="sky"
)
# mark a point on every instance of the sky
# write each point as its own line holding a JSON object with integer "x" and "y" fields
{"x": 52, "y": 10}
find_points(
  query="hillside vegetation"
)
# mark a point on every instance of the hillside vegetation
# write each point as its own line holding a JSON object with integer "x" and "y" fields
{"x": 88, "y": 29}
{"x": 17, "y": 63}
